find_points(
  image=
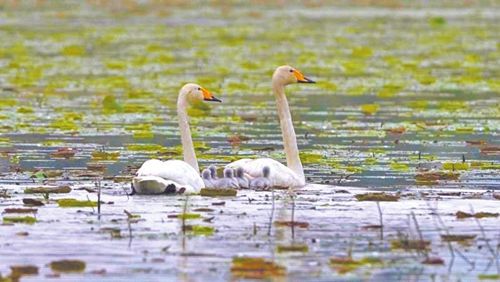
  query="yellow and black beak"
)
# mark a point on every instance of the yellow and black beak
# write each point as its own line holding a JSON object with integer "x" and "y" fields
{"x": 207, "y": 96}
{"x": 301, "y": 78}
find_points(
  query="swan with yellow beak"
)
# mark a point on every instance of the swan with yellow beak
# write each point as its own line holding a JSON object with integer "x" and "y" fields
{"x": 291, "y": 175}
{"x": 176, "y": 176}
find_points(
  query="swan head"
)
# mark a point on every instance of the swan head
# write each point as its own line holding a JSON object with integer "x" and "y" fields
{"x": 266, "y": 171}
{"x": 195, "y": 92}
{"x": 213, "y": 171}
{"x": 239, "y": 172}
{"x": 205, "y": 174}
{"x": 288, "y": 75}
{"x": 228, "y": 172}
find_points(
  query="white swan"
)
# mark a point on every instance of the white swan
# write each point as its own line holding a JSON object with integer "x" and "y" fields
{"x": 155, "y": 176}
{"x": 291, "y": 175}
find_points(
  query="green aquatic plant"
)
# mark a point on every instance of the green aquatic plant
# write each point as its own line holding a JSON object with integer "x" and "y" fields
{"x": 25, "y": 110}
{"x": 73, "y": 50}
{"x": 399, "y": 167}
{"x": 255, "y": 268}
{"x": 64, "y": 125}
{"x": 22, "y": 219}
{"x": 213, "y": 192}
{"x": 200, "y": 230}
{"x": 462, "y": 215}
{"x": 105, "y": 156}
{"x": 300, "y": 248}
{"x": 489, "y": 277}
{"x": 74, "y": 203}
{"x": 347, "y": 264}
{"x": 456, "y": 166}
{"x": 390, "y": 90}
{"x": 110, "y": 105}
{"x": 48, "y": 190}
{"x": 362, "y": 52}
{"x": 378, "y": 197}
{"x": 188, "y": 216}
{"x": 369, "y": 109}
{"x": 68, "y": 266}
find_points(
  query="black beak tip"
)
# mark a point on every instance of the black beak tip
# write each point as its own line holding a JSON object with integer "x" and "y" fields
{"x": 307, "y": 80}
{"x": 213, "y": 99}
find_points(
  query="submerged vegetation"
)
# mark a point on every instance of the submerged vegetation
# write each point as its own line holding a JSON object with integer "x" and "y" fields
{"x": 405, "y": 109}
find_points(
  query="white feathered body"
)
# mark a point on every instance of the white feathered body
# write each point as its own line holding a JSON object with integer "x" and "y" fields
{"x": 280, "y": 175}
{"x": 176, "y": 172}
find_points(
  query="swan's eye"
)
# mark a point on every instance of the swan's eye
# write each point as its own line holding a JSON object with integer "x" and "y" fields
{"x": 291, "y": 70}
{"x": 199, "y": 89}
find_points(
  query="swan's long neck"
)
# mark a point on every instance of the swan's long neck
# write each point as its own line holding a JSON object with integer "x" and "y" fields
{"x": 187, "y": 142}
{"x": 289, "y": 139}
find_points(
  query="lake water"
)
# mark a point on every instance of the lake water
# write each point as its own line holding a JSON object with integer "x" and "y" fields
{"x": 403, "y": 94}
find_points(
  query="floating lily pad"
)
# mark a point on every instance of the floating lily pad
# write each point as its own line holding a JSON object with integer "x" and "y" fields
{"x": 456, "y": 166}
{"x": 300, "y": 224}
{"x": 215, "y": 192}
{"x": 48, "y": 190}
{"x": 19, "y": 210}
{"x": 292, "y": 248}
{"x": 461, "y": 214}
{"x": 68, "y": 266}
{"x": 379, "y": 197}
{"x": 433, "y": 261}
{"x": 74, "y": 203}
{"x": 23, "y": 219}
{"x": 347, "y": 264}
{"x": 369, "y": 109}
{"x": 495, "y": 277}
{"x": 105, "y": 156}
{"x": 185, "y": 216}
{"x": 18, "y": 271}
{"x": 434, "y": 177}
{"x": 410, "y": 244}
{"x": 256, "y": 268}
{"x": 32, "y": 202}
{"x": 457, "y": 237}
{"x": 200, "y": 230}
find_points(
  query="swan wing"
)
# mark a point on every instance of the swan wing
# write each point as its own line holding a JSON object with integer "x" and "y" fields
{"x": 173, "y": 170}
{"x": 239, "y": 163}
